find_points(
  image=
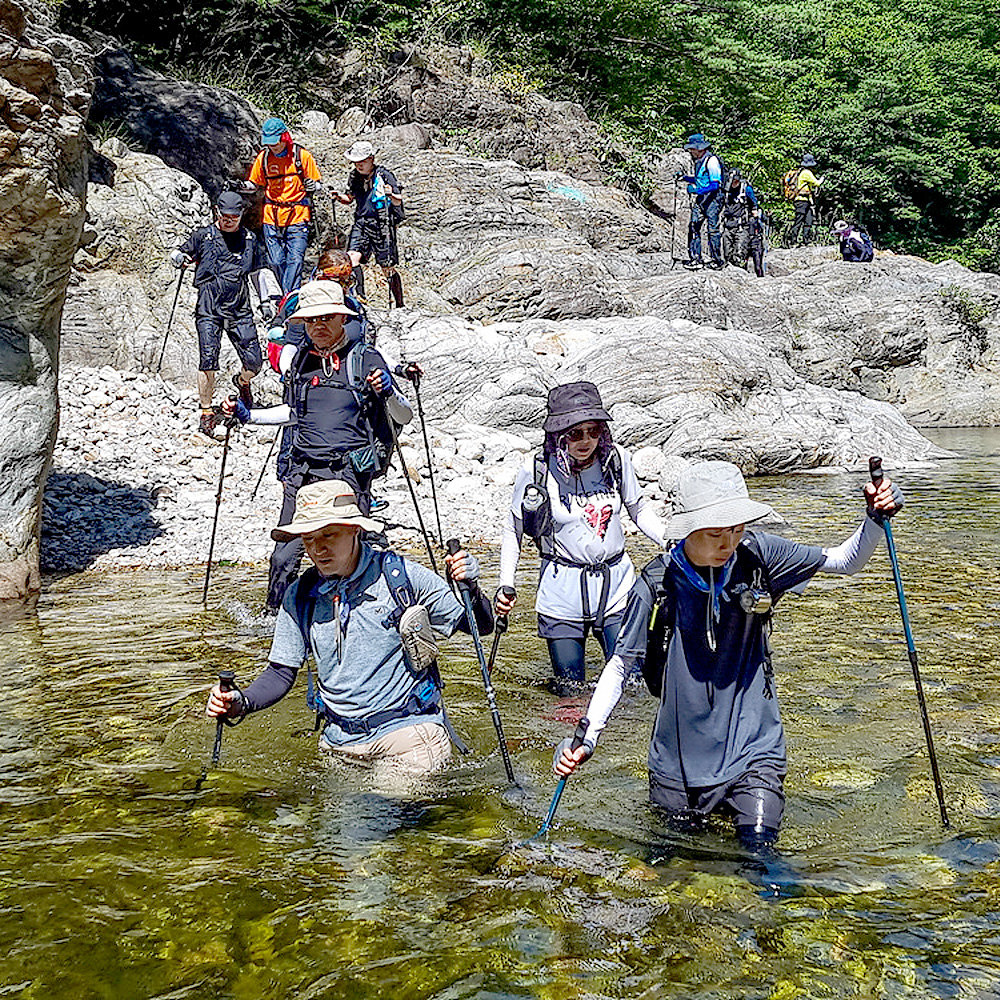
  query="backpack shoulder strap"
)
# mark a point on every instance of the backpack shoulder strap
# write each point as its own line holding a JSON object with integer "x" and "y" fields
{"x": 748, "y": 553}
{"x": 615, "y": 467}
{"x": 297, "y": 159}
{"x": 541, "y": 470}
{"x": 396, "y": 579}
{"x": 305, "y": 603}
{"x": 356, "y": 366}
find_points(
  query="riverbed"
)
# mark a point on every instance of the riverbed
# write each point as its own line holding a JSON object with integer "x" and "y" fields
{"x": 129, "y": 868}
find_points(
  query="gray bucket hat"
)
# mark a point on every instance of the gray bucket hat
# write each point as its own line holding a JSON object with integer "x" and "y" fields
{"x": 697, "y": 141}
{"x": 808, "y": 160}
{"x": 572, "y": 404}
{"x": 712, "y": 495}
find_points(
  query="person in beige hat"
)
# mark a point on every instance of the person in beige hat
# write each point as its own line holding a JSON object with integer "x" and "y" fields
{"x": 378, "y": 692}
{"x": 718, "y": 742}
{"x": 339, "y": 399}
{"x": 378, "y": 208}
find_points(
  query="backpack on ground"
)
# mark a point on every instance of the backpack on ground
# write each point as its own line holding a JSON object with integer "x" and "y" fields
{"x": 790, "y": 184}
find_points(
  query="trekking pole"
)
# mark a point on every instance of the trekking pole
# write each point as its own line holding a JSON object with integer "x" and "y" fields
{"x": 499, "y": 627}
{"x": 463, "y": 587}
{"x": 413, "y": 492}
{"x": 230, "y": 421}
{"x": 578, "y": 735}
{"x": 227, "y": 681}
{"x": 263, "y": 468}
{"x": 170, "y": 321}
{"x": 875, "y": 468}
{"x": 413, "y": 372}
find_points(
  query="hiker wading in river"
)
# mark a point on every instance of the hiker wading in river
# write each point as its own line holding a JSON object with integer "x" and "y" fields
{"x": 365, "y": 615}
{"x": 339, "y": 399}
{"x": 569, "y": 499}
{"x": 717, "y": 742}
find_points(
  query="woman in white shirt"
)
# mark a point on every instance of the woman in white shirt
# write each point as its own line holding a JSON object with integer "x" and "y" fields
{"x": 568, "y": 499}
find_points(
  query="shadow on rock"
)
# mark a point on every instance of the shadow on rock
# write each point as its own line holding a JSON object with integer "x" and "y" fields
{"x": 84, "y": 517}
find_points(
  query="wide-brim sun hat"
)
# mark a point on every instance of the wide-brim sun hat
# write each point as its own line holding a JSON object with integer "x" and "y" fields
{"x": 808, "y": 160}
{"x": 697, "y": 141}
{"x": 361, "y": 150}
{"x": 322, "y": 504}
{"x": 572, "y": 404}
{"x": 712, "y": 495}
{"x": 320, "y": 298}
{"x": 840, "y": 226}
{"x": 272, "y": 130}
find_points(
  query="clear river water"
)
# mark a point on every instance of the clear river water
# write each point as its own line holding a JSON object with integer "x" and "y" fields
{"x": 128, "y": 870}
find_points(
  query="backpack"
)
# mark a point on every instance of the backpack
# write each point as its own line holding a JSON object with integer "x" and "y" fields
{"x": 663, "y": 615}
{"x": 396, "y": 212}
{"x": 543, "y": 538}
{"x": 428, "y": 682}
{"x": 790, "y": 184}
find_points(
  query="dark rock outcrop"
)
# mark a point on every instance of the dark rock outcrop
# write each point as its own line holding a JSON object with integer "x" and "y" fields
{"x": 210, "y": 133}
{"x": 45, "y": 82}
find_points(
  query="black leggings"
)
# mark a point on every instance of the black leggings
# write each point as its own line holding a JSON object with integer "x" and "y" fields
{"x": 569, "y": 656}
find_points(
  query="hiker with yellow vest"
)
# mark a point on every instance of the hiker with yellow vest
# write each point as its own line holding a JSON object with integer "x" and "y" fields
{"x": 800, "y": 188}
{"x": 289, "y": 176}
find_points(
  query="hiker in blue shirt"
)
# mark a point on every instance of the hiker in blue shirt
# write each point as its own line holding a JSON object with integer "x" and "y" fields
{"x": 365, "y": 615}
{"x": 705, "y": 184}
{"x": 717, "y": 742}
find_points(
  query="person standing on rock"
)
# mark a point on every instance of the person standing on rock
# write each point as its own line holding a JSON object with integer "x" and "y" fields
{"x": 339, "y": 399}
{"x": 705, "y": 185}
{"x": 742, "y": 230}
{"x": 226, "y": 256}
{"x": 568, "y": 499}
{"x": 698, "y": 624}
{"x": 365, "y": 615}
{"x": 804, "y": 184}
{"x": 290, "y": 179}
{"x": 378, "y": 208}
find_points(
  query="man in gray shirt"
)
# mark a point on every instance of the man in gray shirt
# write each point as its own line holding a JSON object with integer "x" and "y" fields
{"x": 718, "y": 742}
{"x": 379, "y": 701}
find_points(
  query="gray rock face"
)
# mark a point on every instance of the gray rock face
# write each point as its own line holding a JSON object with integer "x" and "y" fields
{"x": 208, "y": 132}
{"x": 46, "y": 81}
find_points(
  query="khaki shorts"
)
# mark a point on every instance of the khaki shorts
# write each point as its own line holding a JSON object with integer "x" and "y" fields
{"x": 412, "y": 750}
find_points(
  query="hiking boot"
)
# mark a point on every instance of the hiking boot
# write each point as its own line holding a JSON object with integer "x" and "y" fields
{"x": 246, "y": 397}
{"x": 715, "y": 265}
{"x": 377, "y": 505}
{"x": 693, "y": 265}
{"x": 210, "y": 419}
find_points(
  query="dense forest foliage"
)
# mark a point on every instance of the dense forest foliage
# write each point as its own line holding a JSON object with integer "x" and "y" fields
{"x": 897, "y": 99}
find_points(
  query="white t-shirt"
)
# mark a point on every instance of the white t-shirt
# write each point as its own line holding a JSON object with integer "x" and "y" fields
{"x": 586, "y": 510}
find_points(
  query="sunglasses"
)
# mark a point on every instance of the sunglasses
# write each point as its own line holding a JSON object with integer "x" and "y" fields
{"x": 323, "y": 319}
{"x": 579, "y": 433}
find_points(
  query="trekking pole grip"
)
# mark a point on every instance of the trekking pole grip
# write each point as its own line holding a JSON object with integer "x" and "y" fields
{"x": 227, "y": 680}
{"x": 452, "y": 546}
{"x": 581, "y": 731}
{"x": 875, "y": 469}
{"x": 502, "y": 621}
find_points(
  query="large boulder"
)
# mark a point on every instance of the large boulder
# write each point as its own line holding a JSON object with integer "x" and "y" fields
{"x": 45, "y": 83}
{"x": 208, "y": 132}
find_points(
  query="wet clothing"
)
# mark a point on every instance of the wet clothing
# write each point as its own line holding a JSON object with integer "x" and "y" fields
{"x": 718, "y": 739}
{"x": 375, "y": 216}
{"x": 366, "y": 688}
{"x": 586, "y": 580}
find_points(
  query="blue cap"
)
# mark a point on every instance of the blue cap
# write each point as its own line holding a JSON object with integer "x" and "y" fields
{"x": 272, "y": 130}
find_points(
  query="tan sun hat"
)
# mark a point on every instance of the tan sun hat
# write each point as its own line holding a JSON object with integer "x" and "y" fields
{"x": 712, "y": 495}
{"x": 320, "y": 298}
{"x": 318, "y": 505}
{"x": 361, "y": 150}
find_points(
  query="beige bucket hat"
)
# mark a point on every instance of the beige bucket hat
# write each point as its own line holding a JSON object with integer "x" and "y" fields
{"x": 712, "y": 495}
{"x": 318, "y": 505}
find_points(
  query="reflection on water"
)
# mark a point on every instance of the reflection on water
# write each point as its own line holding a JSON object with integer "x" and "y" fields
{"x": 283, "y": 875}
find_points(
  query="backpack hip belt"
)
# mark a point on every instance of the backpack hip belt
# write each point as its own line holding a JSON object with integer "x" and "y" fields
{"x": 423, "y": 699}
{"x": 602, "y": 569}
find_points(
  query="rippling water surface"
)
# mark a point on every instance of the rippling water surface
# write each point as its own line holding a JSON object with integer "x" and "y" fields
{"x": 127, "y": 871}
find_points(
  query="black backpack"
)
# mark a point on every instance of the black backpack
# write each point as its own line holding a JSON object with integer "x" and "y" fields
{"x": 663, "y": 614}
